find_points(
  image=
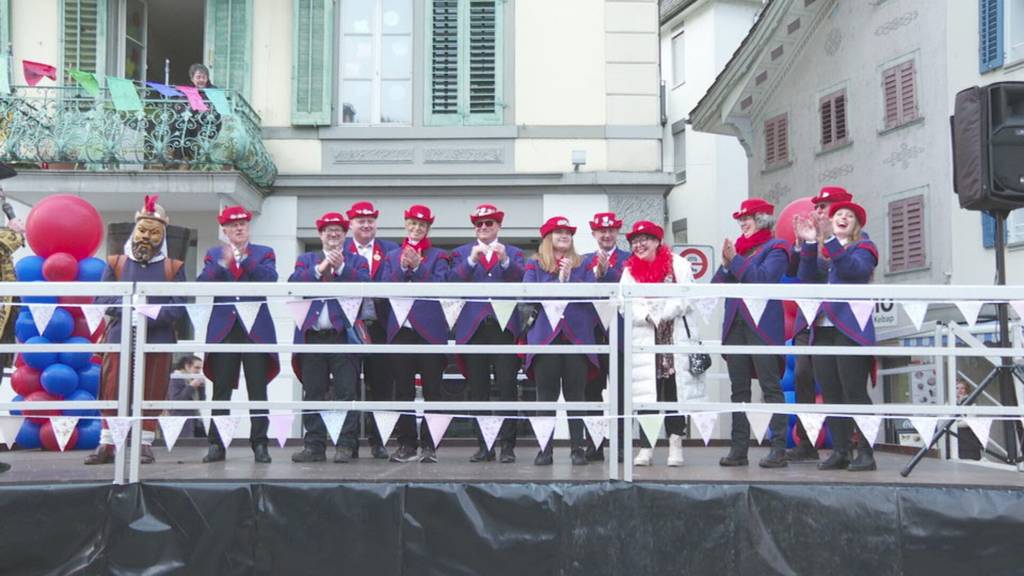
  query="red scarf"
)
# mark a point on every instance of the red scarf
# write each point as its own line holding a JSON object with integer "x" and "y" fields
{"x": 654, "y": 271}
{"x": 421, "y": 247}
{"x": 745, "y": 244}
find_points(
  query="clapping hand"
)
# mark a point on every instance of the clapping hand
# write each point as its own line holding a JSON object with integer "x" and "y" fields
{"x": 499, "y": 251}
{"x": 564, "y": 268}
{"x": 602, "y": 264}
{"x": 728, "y": 251}
{"x": 806, "y": 229}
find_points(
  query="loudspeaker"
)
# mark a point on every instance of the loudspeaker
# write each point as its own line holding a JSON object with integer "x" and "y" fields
{"x": 987, "y": 129}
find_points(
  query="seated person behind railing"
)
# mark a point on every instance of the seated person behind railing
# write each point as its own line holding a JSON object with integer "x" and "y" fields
{"x": 188, "y": 383}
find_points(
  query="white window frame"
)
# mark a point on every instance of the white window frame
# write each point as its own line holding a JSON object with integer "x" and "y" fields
{"x": 1013, "y": 33}
{"x": 679, "y": 171}
{"x": 377, "y": 47}
{"x": 678, "y": 63}
{"x": 1015, "y": 227}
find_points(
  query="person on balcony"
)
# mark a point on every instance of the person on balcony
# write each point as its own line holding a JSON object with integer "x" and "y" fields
{"x": 376, "y": 368}
{"x": 144, "y": 259}
{"x": 487, "y": 260}
{"x": 847, "y": 258}
{"x": 238, "y": 260}
{"x": 325, "y": 323}
{"x": 661, "y": 377}
{"x": 757, "y": 257}
{"x": 557, "y": 261}
{"x": 417, "y": 260}
{"x": 199, "y": 125}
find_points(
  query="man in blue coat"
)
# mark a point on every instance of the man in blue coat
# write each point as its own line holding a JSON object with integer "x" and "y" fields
{"x": 238, "y": 260}
{"x": 325, "y": 323}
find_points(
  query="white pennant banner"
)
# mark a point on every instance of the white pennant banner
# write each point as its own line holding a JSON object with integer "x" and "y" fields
{"x": 916, "y": 311}
{"x": 503, "y": 310}
{"x": 982, "y": 428}
{"x": 489, "y": 428}
{"x": 350, "y": 306}
{"x": 554, "y": 310}
{"x": 150, "y": 311}
{"x": 206, "y": 422}
{"x": 605, "y": 311}
{"x": 651, "y": 425}
{"x": 925, "y": 427}
{"x": 705, "y": 423}
{"x": 438, "y": 425}
{"x": 1018, "y": 307}
{"x": 333, "y": 421}
{"x": 41, "y": 316}
{"x": 171, "y": 426}
{"x": 706, "y": 307}
{"x": 63, "y": 428}
{"x": 543, "y": 428}
{"x": 385, "y": 424}
{"x": 9, "y": 427}
{"x": 809, "y": 308}
{"x": 299, "y": 309}
{"x": 280, "y": 427}
{"x": 199, "y": 315}
{"x": 119, "y": 427}
{"x": 598, "y": 428}
{"x": 756, "y": 308}
{"x": 226, "y": 426}
{"x": 862, "y": 311}
{"x": 759, "y": 424}
{"x": 452, "y": 307}
{"x": 970, "y": 309}
{"x": 401, "y": 307}
{"x": 812, "y": 425}
{"x": 93, "y": 317}
{"x": 869, "y": 425}
{"x": 247, "y": 312}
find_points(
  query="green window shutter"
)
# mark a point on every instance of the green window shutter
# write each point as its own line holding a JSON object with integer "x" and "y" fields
{"x": 229, "y": 44}
{"x": 483, "y": 56}
{"x": 313, "y": 34}
{"x": 443, "y": 66}
{"x": 84, "y": 29}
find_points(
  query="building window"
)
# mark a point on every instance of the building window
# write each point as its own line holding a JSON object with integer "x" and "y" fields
{"x": 678, "y": 59}
{"x": 1014, "y": 229}
{"x": 776, "y": 141}
{"x": 84, "y": 26}
{"x": 680, "y": 233}
{"x": 899, "y": 93}
{"x": 833, "y": 120}
{"x": 679, "y": 154}
{"x": 376, "y": 61}
{"x": 1014, "y": 48}
{"x": 990, "y": 34}
{"x": 906, "y": 234}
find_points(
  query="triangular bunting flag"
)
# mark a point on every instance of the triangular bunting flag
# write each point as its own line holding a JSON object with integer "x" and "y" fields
{"x": 812, "y": 425}
{"x": 862, "y": 311}
{"x": 199, "y": 315}
{"x": 171, "y": 426}
{"x": 401, "y": 307}
{"x": 925, "y": 426}
{"x": 756, "y": 308}
{"x": 93, "y": 316}
{"x": 543, "y": 428}
{"x": 281, "y": 427}
{"x": 869, "y": 425}
{"x": 9, "y": 427}
{"x": 705, "y": 424}
{"x": 489, "y": 428}
{"x": 605, "y": 311}
{"x": 982, "y": 427}
{"x": 226, "y": 426}
{"x": 1018, "y": 306}
{"x": 759, "y": 424}
{"x": 452, "y": 308}
{"x": 150, "y": 311}
{"x": 915, "y": 311}
{"x": 298, "y": 310}
{"x": 385, "y": 424}
{"x": 598, "y": 428}
{"x": 438, "y": 425}
{"x": 553, "y": 310}
{"x": 247, "y": 312}
{"x": 333, "y": 421}
{"x": 503, "y": 310}
{"x": 119, "y": 427}
{"x": 706, "y": 308}
{"x": 41, "y": 315}
{"x": 809, "y": 308}
{"x": 63, "y": 428}
{"x": 206, "y": 422}
{"x": 970, "y": 310}
{"x": 350, "y": 306}
{"x": 651, "y": 425}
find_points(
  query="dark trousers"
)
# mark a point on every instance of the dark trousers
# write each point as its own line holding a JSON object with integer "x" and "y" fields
{"x": 666, "y": 391}
{"x": 505, "y": 367}
{"x": 378, "y": 380}
{"x": 430, "y": 367}
{"x": 566, "y": 373}
{"x": 741, "y": 372}
{"x": 321, "y": 371}
{"x": 804, "y": 383}
{"x": 225, "y": 367}
{"x": 843, "y": 380}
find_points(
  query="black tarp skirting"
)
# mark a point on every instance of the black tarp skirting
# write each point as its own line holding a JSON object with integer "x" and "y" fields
{"x": 522, "y": 529}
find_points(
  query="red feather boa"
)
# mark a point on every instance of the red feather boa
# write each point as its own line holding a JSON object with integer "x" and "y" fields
{"x": 654, "y": 271}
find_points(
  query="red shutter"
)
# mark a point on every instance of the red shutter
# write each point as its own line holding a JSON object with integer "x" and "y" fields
{"x": 826, "y": 122}
{"x": 897, "y": 236}
{"x": 915, "y": 232}
{"x": 890, "y": 94}
{"x": 908, "y": 92}
{"x": 769, "y": 142}
{"x": 839, "y": 109}
{"x": 782, "y": 139}
{"x": 906, "y": 234}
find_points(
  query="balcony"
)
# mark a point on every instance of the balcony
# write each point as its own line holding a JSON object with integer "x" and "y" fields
{"x": 65, "y": 128}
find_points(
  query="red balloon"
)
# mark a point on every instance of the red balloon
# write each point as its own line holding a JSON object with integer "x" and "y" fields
{"x": 41, "y": 416}
{"x": 19, "y": 361}
{"x": 25, "y": 381}
{"x": 784, "y": 224}
{"x": 60, "y": 267}
{"x": 49, "y": 440}
{"x": 64, "y": 223}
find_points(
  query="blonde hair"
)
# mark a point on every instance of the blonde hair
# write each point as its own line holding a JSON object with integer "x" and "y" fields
{"x": 546, "y": 255}
{"x": 855, "y": 230}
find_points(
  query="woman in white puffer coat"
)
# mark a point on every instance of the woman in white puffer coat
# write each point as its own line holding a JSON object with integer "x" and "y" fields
{"x": 661, "y": 377}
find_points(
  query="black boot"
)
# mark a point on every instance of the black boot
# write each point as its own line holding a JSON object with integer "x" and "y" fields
{"x": 579, "y": 457}
{"x": 803, "y": 452}
{"x": 4, "y": 467}
{"x": 865, "y": 459}
{"x": 216, "y": 453}
{"x": 775, "y": 459}
{"x": 307, "y": 455}
{"x": 544, "y": 457}
{"x": 838, "y": 460}
{"x": 737, "y": 457}
{"x": 482, "y": 455}
{"x": 260, "y": 453}
{"x": 508, "y": 453}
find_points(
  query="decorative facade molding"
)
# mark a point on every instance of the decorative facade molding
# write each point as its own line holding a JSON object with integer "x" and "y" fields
{"x": 463, "y": 156}
{"x": 833, "y": 174}
{"x": 903, "y": 156}
{"x": 833, "y": 41}
{"x": 896, "y": 23}
{"x": 375, "y": 156}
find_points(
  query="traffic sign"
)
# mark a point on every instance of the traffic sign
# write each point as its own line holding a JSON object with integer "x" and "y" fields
{"x": 701, "y": 258}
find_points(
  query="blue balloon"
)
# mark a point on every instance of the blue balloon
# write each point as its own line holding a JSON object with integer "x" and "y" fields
{"x": 89, "y": 380}
{"x": 59, "y": 379}
{"x": 90, "y": 269}
{"x": 39, "y": 299}
{"x": 29, "y": 269}
{"x": 17, "y": 398}
{"x": 39, "y": 360}
{"x": 60, "y": 327}
{"x": 81, "y": 396}
{"x": 25, "y": 326}
{"x": 28, "y": 436}
{"x": 77, "y": 360}
{"x": 88, "y": 434}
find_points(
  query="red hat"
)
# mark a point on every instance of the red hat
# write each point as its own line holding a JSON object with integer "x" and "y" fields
{"x": 330, "y": 218}
{"x": 554, "y": 223}
{"x": 646, "y": 227}
{"x": 752, "y": 206}
{"x": 605, "y": 220}
{"x": 362, "y": 210}
{"x": 857, "y": 209}
{"x": 419, "y": 212}
{"x": 832, "y": 194}
{"x": 233, "y": 214}
{"x": 487, "y": 212}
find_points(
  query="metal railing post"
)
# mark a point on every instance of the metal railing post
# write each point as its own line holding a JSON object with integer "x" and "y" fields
{"x": 627, "y": 388}
{"x": 612, "y": 405}
{"x": 124, "y": 357}
{"x": 138, "y": 390}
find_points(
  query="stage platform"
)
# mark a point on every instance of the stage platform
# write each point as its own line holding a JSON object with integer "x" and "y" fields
{"x": 455, "y": 517}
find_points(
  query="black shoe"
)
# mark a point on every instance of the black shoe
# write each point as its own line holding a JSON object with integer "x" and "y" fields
{"x": 775, "y": 459}
{"x": 802, "y": 453}
{"x": 734, "y": 458}
{"x": 342, "y": 454}
{"x": 544, "y": 458}
{"x": 428, "y": 455}
{"x": 379, "y": 453}
{"x": 482, "y": 455}
{"x": 836, "y": 461}
{"x": 864, "y": 462}
{"x": 405, "y": 454}
{"x": 4, "y": 467}
{"x": 104, "y": 454}
{"x": 508, "y": 454}
{"x": 260, "y": 453}
{"x": 216, "y": 453}
{"x": 595, "y": 455}
{"x": 579, "y": 457}
{"x": 307, "y": 455}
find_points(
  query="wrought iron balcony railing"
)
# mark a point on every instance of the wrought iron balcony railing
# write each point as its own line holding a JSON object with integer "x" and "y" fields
{"x": 65, "y": 125}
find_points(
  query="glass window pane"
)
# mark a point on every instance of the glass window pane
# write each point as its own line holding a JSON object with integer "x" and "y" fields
{"x": 678, "y": 59}
{"x": 357, "y": 16}
{"x": 355, "y": 102}
{"x": 396, "y": 57}
{"x": 397, "y": 16}
{"x": 396, "y": 102}
{"x": 357, "y": 57}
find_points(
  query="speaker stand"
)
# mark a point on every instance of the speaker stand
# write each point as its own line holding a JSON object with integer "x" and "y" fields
{"x": 1004, "y": 373}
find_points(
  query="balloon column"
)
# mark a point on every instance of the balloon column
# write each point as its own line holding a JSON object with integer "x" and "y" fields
{"x": 64, "y": 232}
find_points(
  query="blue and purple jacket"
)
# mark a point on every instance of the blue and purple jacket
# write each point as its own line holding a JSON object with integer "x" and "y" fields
{"x": 426, "y": 316}
{"x": 577, "y": 324}
{"x": 851, "y": 264}
{"x": 473, "y": 313}
{"x": 765, "y": 264}
{"x": 616, "y": 261}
